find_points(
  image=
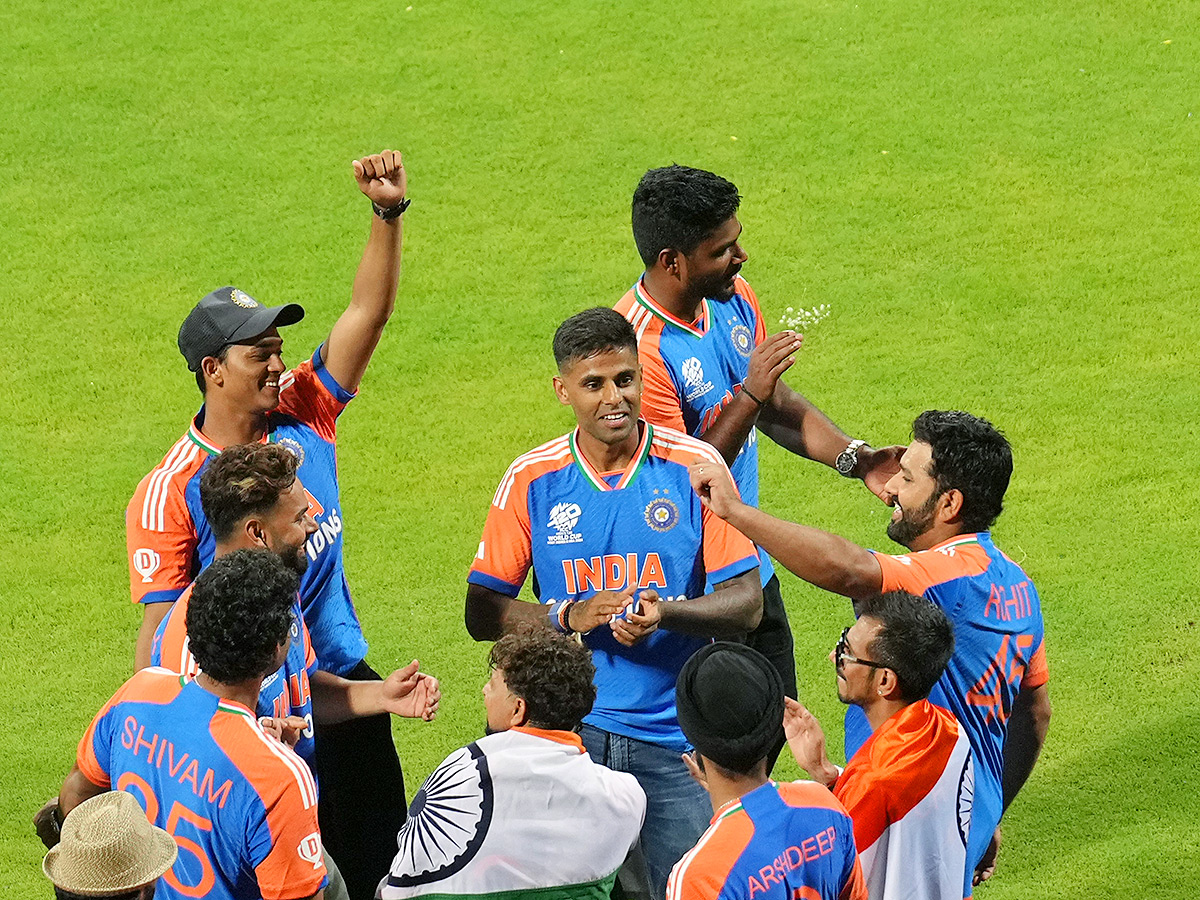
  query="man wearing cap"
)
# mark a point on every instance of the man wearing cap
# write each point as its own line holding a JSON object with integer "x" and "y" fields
{"x": 909, "y": 787}
{"x": 232, "y": 344}
{"x": 109, "y": 851}
{"x": 505, "y": 815}
{"x": 775, "y": 841}
{"x": 241, "y": 805}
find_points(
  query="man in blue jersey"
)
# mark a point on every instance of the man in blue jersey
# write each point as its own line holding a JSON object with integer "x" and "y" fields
{"x": 251, "y": 499}
{"x": 949, "y": 491}
{"x": 241, "y": 806}
{"x": 621, "y": 551}
{"x": 232, "y": 345}
{"x": 767, "y": 840}
{"x": 710, "y": 369}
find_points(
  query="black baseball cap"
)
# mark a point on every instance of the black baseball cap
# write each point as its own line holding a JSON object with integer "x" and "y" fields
{"x": 229, "y": 316}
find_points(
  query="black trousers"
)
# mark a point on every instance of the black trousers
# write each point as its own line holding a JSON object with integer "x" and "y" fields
{"x": 361, "y": 804}
{"x": 773, "y": 639}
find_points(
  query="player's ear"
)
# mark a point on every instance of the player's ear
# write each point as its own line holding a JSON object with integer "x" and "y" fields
{"x": 519, "y": 714}
{"x": 560, "y": 391}
{"x": 950, "y": 504}
{"x": 671, "y": 261}
{"x": 211, "y": 367}
{"x": 255, "y": 533}
{"x": 889, "y": 685}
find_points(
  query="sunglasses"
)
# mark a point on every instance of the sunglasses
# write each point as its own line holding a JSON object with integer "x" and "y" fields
{"x": 841, "y": 655}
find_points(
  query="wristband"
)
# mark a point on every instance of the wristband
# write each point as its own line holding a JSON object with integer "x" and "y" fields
{"x": 558, "y": 614}
{"x": 390, "y": 212}
{"x": 761, "y": 403}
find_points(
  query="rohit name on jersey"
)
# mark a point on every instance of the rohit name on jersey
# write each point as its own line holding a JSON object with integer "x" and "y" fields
{"x": 615, "y": 572}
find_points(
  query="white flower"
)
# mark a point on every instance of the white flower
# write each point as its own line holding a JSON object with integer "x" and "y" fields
{"x": 805, "y": 319}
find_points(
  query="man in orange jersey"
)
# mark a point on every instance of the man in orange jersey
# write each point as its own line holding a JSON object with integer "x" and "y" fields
{"x": 710, "y": 369}
{"x": 231, "y": 343}
{"x": 774, "y": 841}
{"x": 241, "y": 805}
{"x": 908, "y": 788}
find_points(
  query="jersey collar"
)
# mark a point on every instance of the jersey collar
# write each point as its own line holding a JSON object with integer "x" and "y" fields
{"x": 957, "y": 541}
{"x": 567, "y": 738}
{"x": 196, "y": 436}
{"x": 595, "y": 478}
{"x": 644, "y": 298}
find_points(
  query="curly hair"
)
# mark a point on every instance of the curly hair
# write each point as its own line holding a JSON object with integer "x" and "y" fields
{"x": 916, "y": 640}
{"x": 551, "y": 672}
{"x": 240, "y": 613}
{"x": 970, "y": 456}
{"x": 244, "y": 480}
{"x": 590, "y": 332}
{"x": 677, "y": 208}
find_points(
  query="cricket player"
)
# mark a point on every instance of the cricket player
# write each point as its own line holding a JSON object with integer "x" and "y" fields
{"x": 621, "y": 552}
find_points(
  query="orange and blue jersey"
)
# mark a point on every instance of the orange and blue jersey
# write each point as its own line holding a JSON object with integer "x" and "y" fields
{"x": 998, "y": 650}
{"x": 169, "y": 540}
{"x": 583, "y": 531}
{"x": 691, "y": 370}
{"x": 241, "y": 806}
{"x": 779, "y": 842}
{"x": 285, "y": 692}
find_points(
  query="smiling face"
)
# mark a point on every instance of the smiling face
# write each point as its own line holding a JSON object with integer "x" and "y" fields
{"x": 248, "y": 376}
{"x": 712, "y": 266}
{"x": 915, "y": 495}
{"x": 605, "y": 392}
{"x": 286, "y": 527}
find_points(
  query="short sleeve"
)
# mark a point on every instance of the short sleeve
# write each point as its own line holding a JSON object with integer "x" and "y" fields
{"x": 160, "y": 539}
{"x": 310, "y": 393}
{"x": 505, "y": 550}
{"x": 95, "y": 748}
{"x": 727, "y": 552}
{"x": 660, "y": 399}
{"x": 760, "y": 325}
{"x": 286, "y": 848}
{"x": 1037, "y": 673}
{"x": 918, "y": 572}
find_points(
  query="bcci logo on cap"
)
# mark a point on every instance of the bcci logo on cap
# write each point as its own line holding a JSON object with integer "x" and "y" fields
{"x": 563, "y": 519}
{"x": 242, "y": 299}
{"x": 310, "y": 850}
{"x": 661, "y": 514}
{"x": 740, "y": 335}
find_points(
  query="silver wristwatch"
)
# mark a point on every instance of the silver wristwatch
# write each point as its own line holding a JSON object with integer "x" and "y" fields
{"x": 848, "y": 458}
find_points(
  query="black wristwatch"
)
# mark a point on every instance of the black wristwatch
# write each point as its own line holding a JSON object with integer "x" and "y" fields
{"x": 390, "y": 212}
{"x": 848, "y": 458}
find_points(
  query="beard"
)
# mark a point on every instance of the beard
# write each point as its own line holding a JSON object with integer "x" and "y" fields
{"x": 295, "y": 558}
{"x": 912, "y": 523}
{"x": 716, "y": 287}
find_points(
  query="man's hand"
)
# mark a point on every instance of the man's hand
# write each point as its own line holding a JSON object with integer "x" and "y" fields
{"x": 45, "y": 824}
{"x": 876, "y": 467}
{"x": 286, "y": 729}
{"x": 597, "y": 609}
{"x": 411, "y": 693}
{"x": 637, "y": 626}
{"x": 987, "y": 866}
{"x": 715, "y": 487}
{"x": 381, "y": 177}
{"x": 806, "y": 740}
{"x": 768, "y": 362}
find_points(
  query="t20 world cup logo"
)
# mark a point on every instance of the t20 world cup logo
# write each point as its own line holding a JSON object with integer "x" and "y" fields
{"x": 563, "y": 519}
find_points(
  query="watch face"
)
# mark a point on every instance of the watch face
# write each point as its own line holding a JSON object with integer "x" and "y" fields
{"x": 845, "y": 461}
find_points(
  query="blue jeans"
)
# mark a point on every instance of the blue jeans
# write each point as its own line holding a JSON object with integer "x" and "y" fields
{"x": 677, "y": 809}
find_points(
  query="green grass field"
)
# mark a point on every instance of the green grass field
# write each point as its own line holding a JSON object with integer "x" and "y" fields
{"x": 996, "y": 199}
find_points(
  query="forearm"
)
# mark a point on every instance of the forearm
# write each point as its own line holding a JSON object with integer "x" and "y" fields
{"x": 791, "y": 421}
{"x": 378, "y": 275}
{"x": 490, "y": 614}
{"x": 336, "y": 699}
{"x": 1027, "y": 729}
{"x": 729, "y": 432}
{"x": 826, "y": 560}
{"x": 152, "y": 615}
{"x": 77, "y": 788}
{"x": 732, "y": 609}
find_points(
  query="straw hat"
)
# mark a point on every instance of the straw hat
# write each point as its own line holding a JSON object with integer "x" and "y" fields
{"x": 108, "y": 846}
